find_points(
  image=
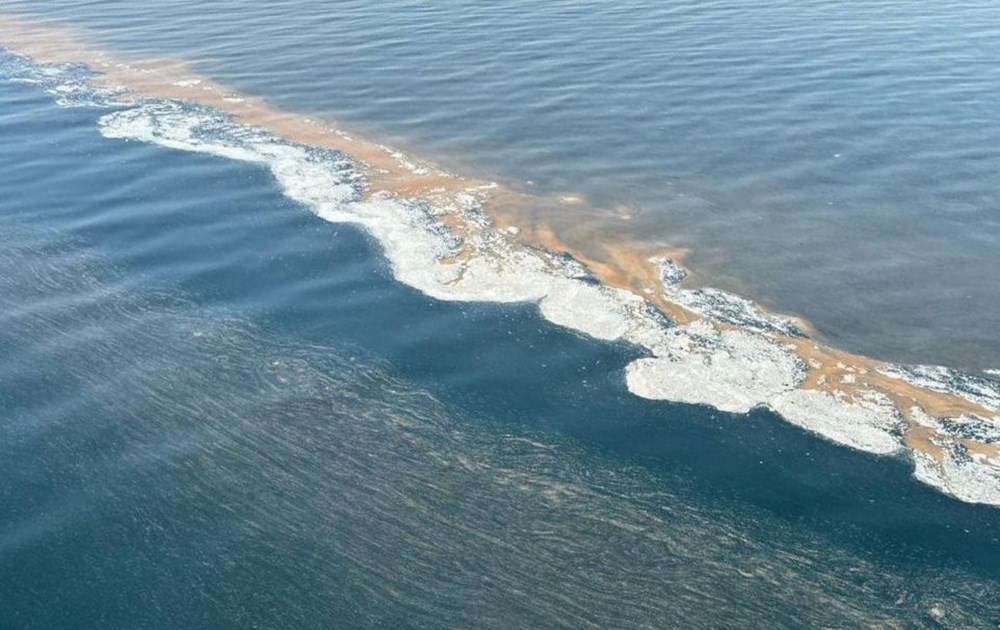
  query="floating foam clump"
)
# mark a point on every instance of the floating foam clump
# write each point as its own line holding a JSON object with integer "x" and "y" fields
{"x": 730, "y": 370}
{"x": 720, "y": 305}
{"x": 982, "y": 390}
{"x": 871, "y": 424}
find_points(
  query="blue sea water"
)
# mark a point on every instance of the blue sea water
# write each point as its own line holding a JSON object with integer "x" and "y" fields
{"x": 835, "y": 160}
{"x": 222, "y": 411}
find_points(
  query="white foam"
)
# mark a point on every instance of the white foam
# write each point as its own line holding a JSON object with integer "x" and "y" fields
{"x": 720, "y": 305}
{"x": 406, "y": 161}
{"x": 971, "y": 477}
{"x": 870, "y": 424}
{"x": 981, "y": 390}
{"x": 730, "y": 370}
{"x": 734, "y": 370}
{"x": 70, "y": 85}
{"x": 968, "y": 478}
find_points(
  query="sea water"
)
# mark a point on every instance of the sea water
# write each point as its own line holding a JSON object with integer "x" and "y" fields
{"x": 221, "y": 409}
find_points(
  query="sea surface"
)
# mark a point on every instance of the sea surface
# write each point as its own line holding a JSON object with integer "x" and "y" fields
{"x": 218, "y": 409}
{"x": 836, "y": 160}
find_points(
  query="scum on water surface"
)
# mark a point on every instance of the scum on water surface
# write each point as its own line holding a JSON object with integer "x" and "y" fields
{"x": 456, "y": 238}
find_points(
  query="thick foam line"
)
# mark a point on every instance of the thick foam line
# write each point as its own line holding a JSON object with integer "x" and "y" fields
{"x": 717, "y": 349}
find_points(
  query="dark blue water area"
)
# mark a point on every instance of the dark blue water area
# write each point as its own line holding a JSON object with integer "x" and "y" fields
{"x": 221, "y": 235}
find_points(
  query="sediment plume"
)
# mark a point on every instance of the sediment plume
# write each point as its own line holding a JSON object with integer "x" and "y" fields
{"x": 461, "y": 238}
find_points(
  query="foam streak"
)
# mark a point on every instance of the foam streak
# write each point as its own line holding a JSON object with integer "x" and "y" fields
{"x": 442, "y": 236}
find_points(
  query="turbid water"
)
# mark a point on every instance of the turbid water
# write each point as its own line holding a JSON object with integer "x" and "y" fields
{"x": 226, "y": 408}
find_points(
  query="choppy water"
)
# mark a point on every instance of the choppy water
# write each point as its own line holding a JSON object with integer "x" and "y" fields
{"x": 220, "y": 410}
